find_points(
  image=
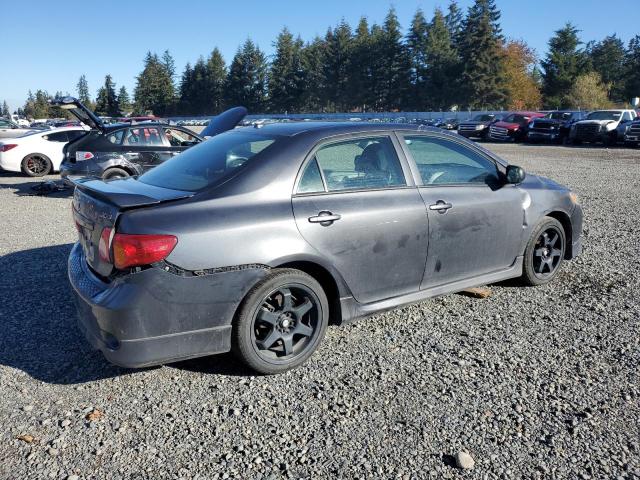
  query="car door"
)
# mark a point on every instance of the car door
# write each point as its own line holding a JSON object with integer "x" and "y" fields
{"x": 146, "y": 146}
{"x": 358, "y": 208}
{"x": 475, "y": 219}
{"x": 55, "y": 143}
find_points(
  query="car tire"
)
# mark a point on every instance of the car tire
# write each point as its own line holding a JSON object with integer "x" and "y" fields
{"x": 544, "y": 253}
{"x": 280, "y": 322}
{"x": 115, "y": 173}
{"x": 36, "y": 165}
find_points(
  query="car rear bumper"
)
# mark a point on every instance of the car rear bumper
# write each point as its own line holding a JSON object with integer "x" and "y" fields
{"x": 154, "y": 316}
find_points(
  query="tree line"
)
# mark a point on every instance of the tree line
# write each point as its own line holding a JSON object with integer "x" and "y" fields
{"x": 453, "y": 60}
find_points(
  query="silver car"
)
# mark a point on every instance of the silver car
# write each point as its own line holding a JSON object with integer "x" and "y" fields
{"x": 8, "y": 129}
{"x": 254, "y": 240}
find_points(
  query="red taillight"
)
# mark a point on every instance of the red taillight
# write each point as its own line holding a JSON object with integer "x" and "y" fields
{"x": 134, "y": 250}
{"x": 103, "y": 246}
{"x": 7, "y": 146}
{"x": 80, "y": 156}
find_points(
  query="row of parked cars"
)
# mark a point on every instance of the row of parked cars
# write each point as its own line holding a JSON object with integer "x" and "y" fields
{"x": 608, "y": 127}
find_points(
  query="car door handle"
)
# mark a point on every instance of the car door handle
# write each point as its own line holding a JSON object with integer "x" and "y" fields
{"x": 440, "y": 206}
{"x": 325, "y": 218}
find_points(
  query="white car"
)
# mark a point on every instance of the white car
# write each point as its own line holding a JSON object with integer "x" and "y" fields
{"x": 37, "y": 152}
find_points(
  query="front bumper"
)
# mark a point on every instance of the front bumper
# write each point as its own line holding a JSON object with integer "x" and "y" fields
{"x": 538, "y": 135}
{"x": 152, "y": 316}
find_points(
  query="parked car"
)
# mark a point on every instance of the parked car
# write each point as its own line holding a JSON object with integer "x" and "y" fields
{"x": 478, "y": 126}
{"x": 37, "y": 152}
{"x": 9, "y": 129}
{"x": 632, "y": 136}
{"x": 554, "y": 126}
{"x": 602, "y": 126}
{"x": 447, "y": 123}
{"x": 253, "y": 240}
{"x": 122, "y": 150}
{"x": 513, "y": 127}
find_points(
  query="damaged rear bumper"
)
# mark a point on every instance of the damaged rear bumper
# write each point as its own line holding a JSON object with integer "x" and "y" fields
{"x": 154, "y": 316}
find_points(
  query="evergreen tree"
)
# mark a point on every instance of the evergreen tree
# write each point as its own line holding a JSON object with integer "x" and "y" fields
{"x": 564, "y": 63}
{"x": 480, "y": 52}
{"x": 216, "y": 77}
{"x": 185, "y": 91}
{"x": 417, "y": 46}
{"x": 37, "y": 106}
{"x": 82, "y": 88}
{"x": 631, "y": 69}
{"x": 246, "y": 81}
{"x": 313, "y": 60}
{"x": 106, "y": 99}
{"x": 4, "y": 111}
{"x": 336, "y": 67}
{"x": 286, "y": 79}
{"x": 359, "y": 72}
{"x": 154, "y": 90}
{"x": 395, "y": 78}
{"x": 169, "y": 64}
{"x": 124, "y": 101}
{"x": 455, "y": 21}
{"x": 607, "y": 58}
{"x": 441, "y": 61}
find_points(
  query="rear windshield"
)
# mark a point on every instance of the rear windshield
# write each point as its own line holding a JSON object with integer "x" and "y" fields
{"x": 209, "y": 162}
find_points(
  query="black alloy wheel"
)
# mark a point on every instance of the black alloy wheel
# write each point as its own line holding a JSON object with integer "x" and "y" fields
{"x": 281, "y": 321}
{"x": 36, "y": 165}
{"x": 544, "y": 253}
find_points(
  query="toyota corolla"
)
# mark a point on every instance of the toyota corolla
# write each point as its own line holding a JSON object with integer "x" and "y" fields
{"x": 255, "y": 240}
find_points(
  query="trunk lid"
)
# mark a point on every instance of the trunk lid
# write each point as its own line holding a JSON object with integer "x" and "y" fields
{"x": 227, "y": 120}
{"x": 97, "y": 205}
{"x": 79, "y": 110}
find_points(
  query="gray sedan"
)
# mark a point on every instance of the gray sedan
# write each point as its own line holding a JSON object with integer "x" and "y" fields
{"x": 256, "y": 239}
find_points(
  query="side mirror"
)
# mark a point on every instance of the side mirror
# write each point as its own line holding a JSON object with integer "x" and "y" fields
{"x": 515, "y": 174}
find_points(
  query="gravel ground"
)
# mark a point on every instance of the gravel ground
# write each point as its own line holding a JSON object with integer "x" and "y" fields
{"x": 530, "y": 382}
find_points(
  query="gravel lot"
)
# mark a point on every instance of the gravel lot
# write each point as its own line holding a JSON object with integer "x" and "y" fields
{"x": 532, "y": 383}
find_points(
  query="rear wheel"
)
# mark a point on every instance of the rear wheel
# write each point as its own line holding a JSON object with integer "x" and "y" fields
{"x": 36, "y": 165}
{"x": 544, "y": 253}
{"x": 281, "y": 322}
{"x": 114, "y": 173}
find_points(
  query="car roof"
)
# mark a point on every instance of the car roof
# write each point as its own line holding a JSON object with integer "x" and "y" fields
{"x": 290, "y": 129}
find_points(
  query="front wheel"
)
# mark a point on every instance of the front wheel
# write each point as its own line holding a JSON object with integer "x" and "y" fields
{"x": 281, "y": 322}
{"x": 544, "y": 253}
{"x": 36, "y": 165}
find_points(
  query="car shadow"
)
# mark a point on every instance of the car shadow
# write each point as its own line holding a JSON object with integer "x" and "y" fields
{"x": 39, "y": 333}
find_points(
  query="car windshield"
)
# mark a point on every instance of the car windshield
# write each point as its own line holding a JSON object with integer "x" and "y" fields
{"x": 484, "y": 118}
{"x": 559, "y": 115}
{"x": 604, "y": 115}
{"x": 209, "y": 162}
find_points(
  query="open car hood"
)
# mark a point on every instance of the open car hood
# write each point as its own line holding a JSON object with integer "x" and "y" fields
{"x": 79, "y": 110}
{"x": 227, "y": 120}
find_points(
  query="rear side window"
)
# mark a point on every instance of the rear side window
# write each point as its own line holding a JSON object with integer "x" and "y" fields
{"x": 311, "y": 180}
{"x": 74, "y": 134}
{"x": 143, "y": 137}
{"x": 363, "y": 163}
{"x": 57, "y": 137}
{"x": 210, "y": 162}
{"x": 116, "y": 137}
{"x": 444, "y": 162}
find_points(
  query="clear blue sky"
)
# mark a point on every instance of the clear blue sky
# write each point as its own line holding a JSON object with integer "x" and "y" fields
{"x": 49, "y": 44}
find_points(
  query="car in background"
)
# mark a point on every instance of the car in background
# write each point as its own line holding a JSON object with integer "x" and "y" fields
{"x": 254, "y": 252}
{"x": 478, "y": 126}
{"x": 37, "y": 152}
{"x": 554, "y": 126}
{"x": 446, "y": 123}
{"x": 632, "y": 135}
{"x": 123, "y": 150}
{"x": 602, "y": 126}
{"x": 513, "y": 127}
{"x": 9, "y": 129}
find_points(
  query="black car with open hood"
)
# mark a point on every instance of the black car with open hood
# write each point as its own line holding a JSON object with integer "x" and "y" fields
{"x": 122, "y": 150}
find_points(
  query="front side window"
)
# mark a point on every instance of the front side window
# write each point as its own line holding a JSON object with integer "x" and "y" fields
{"x": 143, "y": 137}
{"x": 363, "y": 163}
{"x": 443, "y": 162}
{"x": 179, "y": 138}
{"x": 209, "y": 162}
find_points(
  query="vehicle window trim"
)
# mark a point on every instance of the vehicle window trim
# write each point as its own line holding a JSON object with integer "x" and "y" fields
{"x": 406, "y": 170}
{"x": 420, "y": 182}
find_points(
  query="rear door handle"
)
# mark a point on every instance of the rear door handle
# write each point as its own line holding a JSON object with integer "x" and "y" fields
{"x": 440, "y": 206}
{"x": 324, "y": 218}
